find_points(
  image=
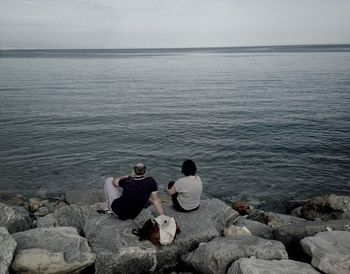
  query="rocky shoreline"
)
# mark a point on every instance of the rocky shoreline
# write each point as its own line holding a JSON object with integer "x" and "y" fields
{"x": 70, "y": 234}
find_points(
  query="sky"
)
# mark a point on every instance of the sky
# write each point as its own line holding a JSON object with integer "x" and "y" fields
{"x": 172, "y": 23}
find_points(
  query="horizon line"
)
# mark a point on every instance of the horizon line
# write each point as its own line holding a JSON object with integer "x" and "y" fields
{"x": 157, "y": 48}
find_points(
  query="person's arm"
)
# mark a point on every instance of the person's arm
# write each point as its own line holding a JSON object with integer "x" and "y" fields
{"x": 117, "y": 179}
{"x": 157, "y": 203}
{"x": 171, "y": 190}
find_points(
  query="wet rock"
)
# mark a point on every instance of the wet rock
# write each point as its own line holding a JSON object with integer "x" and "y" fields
{"x": 14, "y": 218}
{"x": 259, "y": 266}
{"x": 85, "y": 197}
{"x": 73, "y": 216}
{"x": 51, "y": 250}
{"x": 327, "y": 207}
{"x": 256, "y": 228}
{"x": 292, "y": 234}
{"x": 8, "y": 246}
{"x": 241, "y": 207}
{"x": 330, "y": 251}
{"x": 296, "y": 212}
{"x": 126, "y": 254}
{"x": 272, "y": 219}
{"x": 293, "y": 204}
{"x": 217, "y": 255}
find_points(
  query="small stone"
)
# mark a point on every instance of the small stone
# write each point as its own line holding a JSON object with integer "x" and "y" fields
{"x": 241, "y": 207}
{"x": 34, "y": 204}
{"x": 235, "y": 231}
{"x": 42, "y": 211}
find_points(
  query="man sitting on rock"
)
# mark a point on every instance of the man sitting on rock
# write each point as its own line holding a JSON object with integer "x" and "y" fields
{"x": 127, "y": 195}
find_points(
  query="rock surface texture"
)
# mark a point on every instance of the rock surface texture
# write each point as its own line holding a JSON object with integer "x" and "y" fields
{"x": 73, "y": 215}
{"x": 256, "y": 228}
{"x": 51, "y": 250}
{"x": 330, "y": 251}
{"x": 259, "y": 266}
{"x": 85, "y": 197}
{"x": 7, "y": 248}
{"x": 13, "y": 219}
{"x": 327, "y": 207}
{"x": 217, "y": 255}
{"x": 119, "y": 251}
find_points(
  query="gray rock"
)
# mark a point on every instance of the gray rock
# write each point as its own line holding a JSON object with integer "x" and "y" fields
{"x": 51, "y": 250}
{"x": 14, "y": 218}
{"x": 272, "y": 219}
{"x": 330, "y": 251}
{"x": 291, "y": 235}
{"x": 73, "y": 216}
{"x": 217, "y": 255}
{"x": 85, "y": 197}
{"x": 327, "y": 207}
{"x": 259, "y": 266}
{"x": 8, "y": 246}
{"x": 42, "y": 211}
{"x": 296, "y": 212}
{"x": 256, "y": 228}
{"x": 34, "y": 204}
{"x": 119, "y": 251}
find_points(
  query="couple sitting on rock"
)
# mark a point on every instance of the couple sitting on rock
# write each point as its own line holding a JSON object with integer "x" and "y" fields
{"x": 127, "y": 195}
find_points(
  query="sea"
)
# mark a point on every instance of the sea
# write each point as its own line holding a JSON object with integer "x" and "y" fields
{"x": 263, "y": 124}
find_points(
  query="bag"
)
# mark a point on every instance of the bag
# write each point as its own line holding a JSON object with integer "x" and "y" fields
{"x": 159, "y": 231}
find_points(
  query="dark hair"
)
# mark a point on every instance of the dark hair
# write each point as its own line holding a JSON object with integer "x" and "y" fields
{"x": 189, "y": 168}
{"x": 140, "y": 169}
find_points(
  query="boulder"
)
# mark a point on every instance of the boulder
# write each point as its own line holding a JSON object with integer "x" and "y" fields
{"x": 327, "y": 207}
{"x": 42, "y": 211}
{"x": 85, "y": 197}
{"x": 51, "y": 250}
{"x": 293, "y": 204}
{"x": 217, "y": 255}
{"x": 272, "y": 219}
{"x": 14, "y": 218}
{"x": 8, "y": 246}
{"x": 73, "y": 216}
{"x": 256, "y": 228}
{"x": 259, "y": 266}
{"x": 330, "y": 251}
{"x": 292, "y": 234}
{"x": 119, "y": 251}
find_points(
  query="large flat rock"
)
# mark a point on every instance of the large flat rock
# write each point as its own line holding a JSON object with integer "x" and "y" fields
{"x": 217, "y": 255}
{"x": 72, "y": 216}
{"x": 7, "y": 249}
{"x": 259, "y": 266}
{"x": 330, "y": 251}
{"x": 291, "y": 235}
{"x": 51, "y": 250}
{"x": 119, "y": 251}
{"x": 15, "y": 219}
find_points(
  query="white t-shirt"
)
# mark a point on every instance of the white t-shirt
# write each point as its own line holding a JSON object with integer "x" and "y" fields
{"x": 189, "y": 189}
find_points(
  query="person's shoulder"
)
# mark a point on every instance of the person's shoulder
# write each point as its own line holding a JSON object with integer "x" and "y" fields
{"x": 150, "y": 179}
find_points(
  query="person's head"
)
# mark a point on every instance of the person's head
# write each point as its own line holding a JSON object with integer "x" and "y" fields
{"x": 189, "y": 168}
{"x": 140, "y": 169}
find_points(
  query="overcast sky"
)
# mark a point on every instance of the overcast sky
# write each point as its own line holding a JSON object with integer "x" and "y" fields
{"x": 171, "y": 23}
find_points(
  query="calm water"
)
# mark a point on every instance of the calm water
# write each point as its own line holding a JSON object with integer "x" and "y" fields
{"x": 263, "y": 124}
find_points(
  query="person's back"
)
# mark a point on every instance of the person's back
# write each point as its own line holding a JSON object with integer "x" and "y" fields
{"x": 189, "y": 191}
{"x": 186, "y": 191}
{"x": 136, "y": 193}
{"x": 137, "y": 189}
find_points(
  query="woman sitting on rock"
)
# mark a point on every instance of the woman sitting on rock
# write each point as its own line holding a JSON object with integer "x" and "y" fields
{"x": 186, "y": 191}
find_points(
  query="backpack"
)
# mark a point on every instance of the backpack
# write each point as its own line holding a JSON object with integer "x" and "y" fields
{"x": 159, "y": 231}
